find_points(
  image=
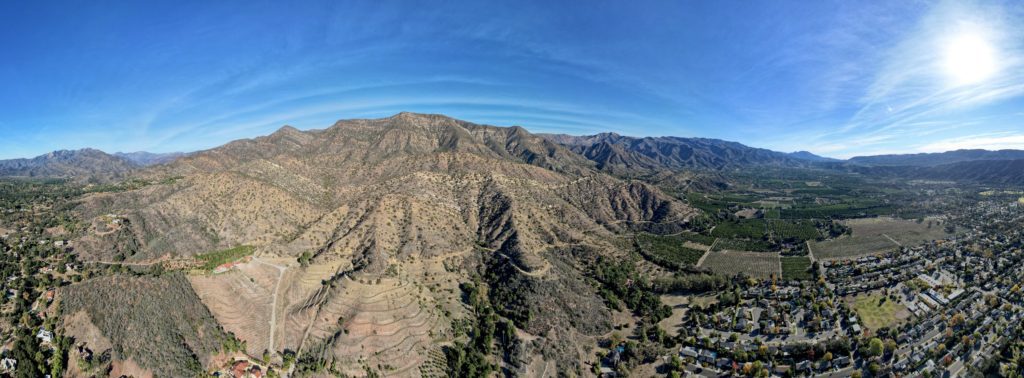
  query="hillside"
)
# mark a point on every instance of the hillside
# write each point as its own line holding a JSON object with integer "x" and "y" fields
{"x": 940, "y": 158}
{"x": 1006, "y": 172}
{"x": 621, "y": 154}
{"x": 408, "y": 198}
{"x": 84, "y": 164}
{"x": 156, "y": 323}
{"x": 145, "y": 159}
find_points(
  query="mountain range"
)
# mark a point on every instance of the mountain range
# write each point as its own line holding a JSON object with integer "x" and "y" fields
{"x": 667, "y": 157}
{"x": 85, "y": 164}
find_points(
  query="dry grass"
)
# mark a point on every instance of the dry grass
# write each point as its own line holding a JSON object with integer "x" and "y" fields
{"x": 877, "y": 235}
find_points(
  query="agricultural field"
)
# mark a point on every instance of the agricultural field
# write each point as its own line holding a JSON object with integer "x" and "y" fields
{"x": 745, "y": 228}
{"x": 877, "y": 235}
{"x": 793, "y": 230}
{"x": 696, "y": 238}
{"x": 876, "y": 313}
{"x": 796, "y": 268}
{"x": 755, "y": 264}
{"x": 742, "y": 245}
{"x": 668, "y": 251}
{"x": 906, "y": 232}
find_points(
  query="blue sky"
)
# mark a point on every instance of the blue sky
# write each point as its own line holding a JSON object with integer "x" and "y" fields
{"x": 838, "y": 78}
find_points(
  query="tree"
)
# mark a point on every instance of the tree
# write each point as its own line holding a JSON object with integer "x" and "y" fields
{"x": 874, "y": 368}
{"x": 856, "y": 374}
{"x": 876, "y": 347}
{"x": 827, "y": 356}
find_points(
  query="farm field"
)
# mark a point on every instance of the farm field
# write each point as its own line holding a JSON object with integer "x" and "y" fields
{"x": 796, "y": 268}
{"x": 876, "y": 235}
{"x": 801, "y": 229}
{"x": 742, "y": 245}
{"x": 755, "y": 264}
{"x": 668, "y": 251}
{"x": 876, "y": 314}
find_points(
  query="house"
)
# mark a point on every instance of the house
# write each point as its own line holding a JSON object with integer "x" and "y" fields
{"x": 8, "y": 365}
{"x": 238, "y": 368}
{"x": 688, "y": 352}
{"x": 781, "y": 370}
{"x": 256, "y": 372}
{"x": 44, "y": 335}
{"x": 708, "y": 356}
{"x": 724, "y": 363}
{"x": 803, "y": 366}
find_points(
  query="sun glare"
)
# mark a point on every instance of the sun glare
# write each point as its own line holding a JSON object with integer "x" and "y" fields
{"x": 969, "y": 59}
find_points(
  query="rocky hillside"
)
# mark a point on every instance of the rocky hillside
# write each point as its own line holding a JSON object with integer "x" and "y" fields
{"x": 621, "y": 154}
{"x": 373, "y": 196}
{"x": 85, "y": 164}
{"x": 145, "y": 159}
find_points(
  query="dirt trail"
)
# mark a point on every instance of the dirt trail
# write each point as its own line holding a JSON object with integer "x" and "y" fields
{"x": 705, "y": 255}
{"x": 892, "y": 240}
{"x": 273, "y": 304}
{"x": 536, "y": 273}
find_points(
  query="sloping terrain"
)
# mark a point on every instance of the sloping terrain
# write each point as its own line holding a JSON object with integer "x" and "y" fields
{"x": 629, "y": 155}
{"x": 85, "y": 163}
{"x": 145, "y": 159}
{"x": 387, "y": 217}
{"x": 940, "y": 158}
{"x": 155, "y": 322}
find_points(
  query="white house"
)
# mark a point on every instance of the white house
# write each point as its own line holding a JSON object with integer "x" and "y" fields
{"x": 44, "y": 335}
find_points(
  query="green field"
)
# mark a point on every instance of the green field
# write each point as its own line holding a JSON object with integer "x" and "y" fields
{"x": 697, "y": 238}
{"x": 876, "y": 314}
{"x": 667, "y": 251}
{"x": 796, "y": 268}
{"x": 794, "y": 230}
{"x": 744, "y": 228}
{"x": 211, "y": 260}
{"x": 742, "y": 245}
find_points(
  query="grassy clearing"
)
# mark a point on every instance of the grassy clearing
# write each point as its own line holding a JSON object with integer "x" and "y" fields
{"x": 213, "y": 259}
{"x": 667, "y": 251}
{"x": 876, "y": 313}
{"x": 796, "y": 268}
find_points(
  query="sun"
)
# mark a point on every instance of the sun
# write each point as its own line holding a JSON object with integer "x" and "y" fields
{"x": 969, "y": 59}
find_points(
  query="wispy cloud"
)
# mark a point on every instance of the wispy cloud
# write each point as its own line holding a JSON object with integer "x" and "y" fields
{"x": 911, "y": 95}
{"x": 988, "y": 142}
